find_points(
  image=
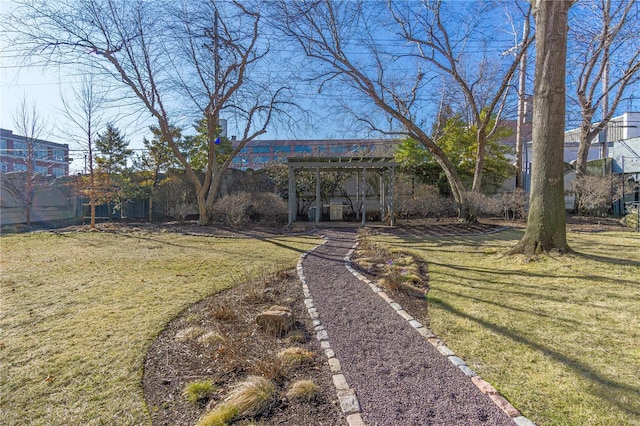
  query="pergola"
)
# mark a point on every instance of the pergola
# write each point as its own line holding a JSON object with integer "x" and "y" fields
{"x": 384, "y": 166}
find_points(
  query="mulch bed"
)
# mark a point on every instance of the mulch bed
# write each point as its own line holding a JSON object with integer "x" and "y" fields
{"x": 245, "y": 350}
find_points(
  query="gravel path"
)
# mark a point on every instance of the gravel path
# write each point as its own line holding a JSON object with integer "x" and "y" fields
{"x": 398, "y": 376}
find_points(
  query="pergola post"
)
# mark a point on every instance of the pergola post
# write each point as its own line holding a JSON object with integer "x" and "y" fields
{"x": 364, "y": 195}
{"x": 292, "y": 195}
{"x": 392, "y": 186}
{"x": 318, "y": 198}
{"x": 357, "y": 194}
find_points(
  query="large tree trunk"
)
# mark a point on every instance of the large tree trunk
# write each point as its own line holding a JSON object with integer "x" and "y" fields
{"x": 546, "y": 226}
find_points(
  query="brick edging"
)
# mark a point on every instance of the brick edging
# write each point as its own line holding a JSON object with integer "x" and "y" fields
{"x": 346, "y": 396}
{"x": 481, "y": 384}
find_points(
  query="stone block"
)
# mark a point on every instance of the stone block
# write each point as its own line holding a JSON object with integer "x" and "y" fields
{"x": 348, "y": 402}
{"x": 485, "y": 387}
{"x": 404, "y": 314}
{"x": 523, "y": 421}
{"x": 355, "y": 420}
{"x": 505, "y": 405}
{"x": 456, "y": 361}
{"x": 340, "y": 382}
{"x": 445, "y": 351}
{"x": 334, "y": 365}
{"x": 276, "y": 320}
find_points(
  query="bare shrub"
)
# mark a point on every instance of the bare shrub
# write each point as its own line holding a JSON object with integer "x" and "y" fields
{"x": 513, "y": 205}
{"x": 413, "y": 200}
{"x": 241, "y": 208}
{"x": 595, "y": 194}
{"x": 481, "y": 205}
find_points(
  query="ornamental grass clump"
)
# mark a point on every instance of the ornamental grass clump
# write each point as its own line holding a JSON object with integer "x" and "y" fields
{"x": 248, "y": 399}
{"x": 294, "y": 356}
{"x": 253, "y": 396}
{"x": 199, "y": 390}
{"x": 220, "y": 416}
{"x": 303, "y": 390}
{"x": 189, "y": 333}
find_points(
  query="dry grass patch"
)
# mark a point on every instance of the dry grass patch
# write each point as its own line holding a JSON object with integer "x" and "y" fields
{"x": 558, "y": 336}
{"x": 79, "y": 311}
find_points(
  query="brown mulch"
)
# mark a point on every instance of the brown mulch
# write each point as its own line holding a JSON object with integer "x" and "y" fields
{"x": 244, "y": 350}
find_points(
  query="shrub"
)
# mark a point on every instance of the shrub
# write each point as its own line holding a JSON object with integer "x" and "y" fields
{"x": 303, "y": 390}
{"x": 513, "y": 205}
{"x": 196, "y": 391}
{"x": 480, "y": 204}
{"x": 239, "y": 209}
{"x": 595, "y": 194}
{"x": 413, "y": 200}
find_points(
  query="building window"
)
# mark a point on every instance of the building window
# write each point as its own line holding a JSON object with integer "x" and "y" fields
{"x": 19, "y": 167}
{"x": 3, "y": 146}
{"x": 42, "y": 170}
{"x": 281, "y": 149}
{"x": 57, "y": 172}
{"x": 261, "y": 149}
{"x": 20, "y": 149}
{"x": 59, "y": 155}
{"x": 4, "y": 167}
{"x": 302, "y": 149}
{"x": 262, "y": 159}
{"x": 41, "y": 152}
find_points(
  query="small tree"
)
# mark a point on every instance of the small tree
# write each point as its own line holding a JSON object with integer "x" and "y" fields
{"x": 30, "y": 124}
{"x": 112, "y": 164}
{"x": 85, "y": 116}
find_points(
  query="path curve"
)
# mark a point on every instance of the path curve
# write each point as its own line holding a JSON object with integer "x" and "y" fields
{"x": 399, "y": 378}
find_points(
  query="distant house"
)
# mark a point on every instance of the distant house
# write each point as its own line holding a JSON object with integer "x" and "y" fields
{"x": 49, "y": 158}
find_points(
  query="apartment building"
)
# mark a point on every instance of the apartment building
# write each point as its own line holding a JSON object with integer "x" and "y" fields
{"x": 49, "y": 158}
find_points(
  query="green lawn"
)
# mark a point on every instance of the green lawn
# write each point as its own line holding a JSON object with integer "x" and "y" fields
{"x": 78, "y": 312}
{"x": 559, "y": 337}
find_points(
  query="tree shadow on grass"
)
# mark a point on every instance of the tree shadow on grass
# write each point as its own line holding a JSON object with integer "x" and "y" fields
{"x": 604, "y": 388}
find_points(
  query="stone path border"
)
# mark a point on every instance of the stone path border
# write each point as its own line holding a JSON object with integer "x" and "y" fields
{"x": 484, "y": 386}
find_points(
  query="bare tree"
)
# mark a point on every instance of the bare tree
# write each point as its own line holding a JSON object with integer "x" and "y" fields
{"x": 85, "y": 112}
{"x": 31, "y": 125}
{"x": 607, "y": 57}
{"x": 546, "y": 227}
{"x": 483, "y": 81}
{"x": 179, "y": 62}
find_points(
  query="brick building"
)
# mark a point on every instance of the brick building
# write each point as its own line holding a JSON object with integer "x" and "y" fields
{"x": 258, "y": 153}
{"x": 49, "y": 158}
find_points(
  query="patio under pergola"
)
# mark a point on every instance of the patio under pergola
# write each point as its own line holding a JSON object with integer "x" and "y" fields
{"x": 384, "y": 167}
